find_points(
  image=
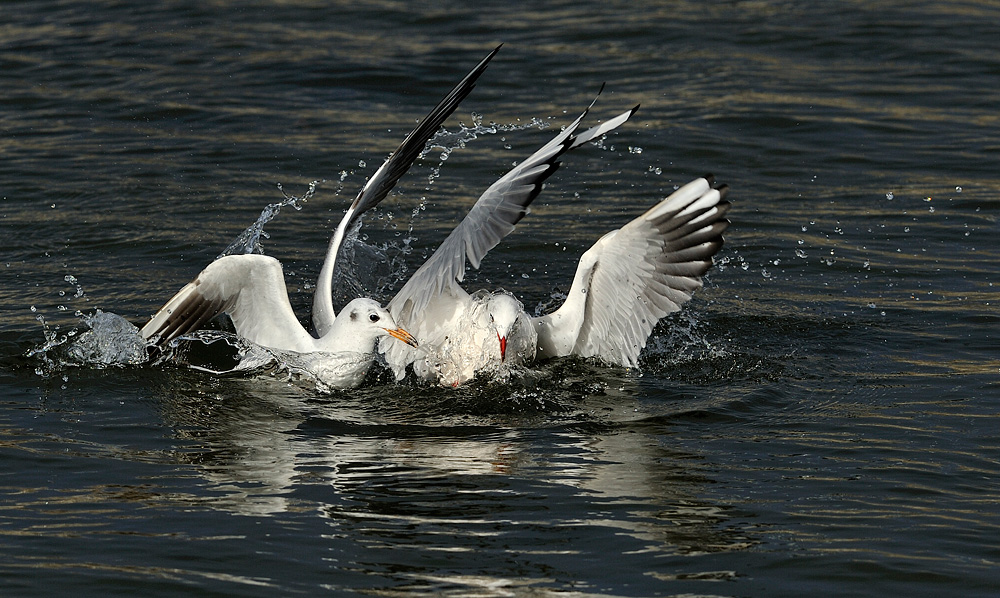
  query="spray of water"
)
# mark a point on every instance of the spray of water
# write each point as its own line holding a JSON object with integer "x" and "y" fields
{"x": 249, "y": 240}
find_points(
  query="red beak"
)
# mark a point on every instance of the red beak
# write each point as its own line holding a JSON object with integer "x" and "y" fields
{"x": 503, "y": 346}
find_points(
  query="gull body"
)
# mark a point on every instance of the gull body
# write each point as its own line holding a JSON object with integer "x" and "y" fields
{"x": 251, "y": 288}
{"x": 467, "y": 335}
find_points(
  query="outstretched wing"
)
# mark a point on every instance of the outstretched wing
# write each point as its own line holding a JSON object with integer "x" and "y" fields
{"x": 636, "y": 275}
{"x": 384, "y": 179}
{"x": 491, "y": 219}
{"x": 250, "y": 289}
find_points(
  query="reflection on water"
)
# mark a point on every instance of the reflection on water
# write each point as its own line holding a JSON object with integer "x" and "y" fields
{"x": 267, "y": 451}
{"x": 384, "y": 492}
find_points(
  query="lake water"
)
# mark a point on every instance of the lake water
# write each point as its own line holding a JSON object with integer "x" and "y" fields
{"x": 820, "y": 420}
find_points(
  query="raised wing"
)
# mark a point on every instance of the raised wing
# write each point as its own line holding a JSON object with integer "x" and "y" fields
{"x": 384, "y": 179}
{"x": 251, "y": 289}
{"x": 636, "y": 275}
{"x": 491, "y": 219}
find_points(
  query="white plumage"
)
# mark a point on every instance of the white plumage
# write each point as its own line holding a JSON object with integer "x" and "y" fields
{"x": 634, "y": 276}
{"x": 251, "y": 290}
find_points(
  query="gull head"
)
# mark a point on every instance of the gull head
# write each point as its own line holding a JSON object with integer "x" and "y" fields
{"x": 365, "y": 321}
{"x": 504, "y": 312}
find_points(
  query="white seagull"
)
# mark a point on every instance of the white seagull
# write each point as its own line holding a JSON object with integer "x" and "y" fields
{"x": 251, "y": 288}
{"x": 623, "y": 285}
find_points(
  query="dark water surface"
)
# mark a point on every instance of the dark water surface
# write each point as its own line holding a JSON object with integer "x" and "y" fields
{"x": 820, "y": 420}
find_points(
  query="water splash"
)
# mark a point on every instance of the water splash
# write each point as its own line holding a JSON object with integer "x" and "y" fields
{"x": 217, "y": 352}
{"x": 103, "y": 340}
{"x": 682, "y": 342}
{"x": 365, "y": 269}
{"x": 110, "y": 340}
{"x": 249, "y": 240}
{"x": 448, "y": 141}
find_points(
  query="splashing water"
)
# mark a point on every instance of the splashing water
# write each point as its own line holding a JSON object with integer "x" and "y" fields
{"x": 106, "y": 340}
{"x": 249, "y": 240}
{"x": 110, "y": 341}
{"x": 217, "y": 352}
{"x": 682, "y": 342}
{"x": 448, "y": 141}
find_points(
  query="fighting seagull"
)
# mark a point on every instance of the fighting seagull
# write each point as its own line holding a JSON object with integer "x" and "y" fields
{"x": 251, "y": 288}
{"x": 630, "y": 279}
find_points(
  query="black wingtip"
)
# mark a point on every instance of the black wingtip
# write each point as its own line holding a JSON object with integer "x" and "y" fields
{"x": 474, "y": 74}
{"x": 594, "y": 101}
{"x": 378, "y": 187}
{"x": 723, "y": 190}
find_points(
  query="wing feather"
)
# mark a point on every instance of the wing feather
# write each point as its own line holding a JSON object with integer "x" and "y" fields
{"x": 250, "y": 289}
{"x": 636, "y": 275}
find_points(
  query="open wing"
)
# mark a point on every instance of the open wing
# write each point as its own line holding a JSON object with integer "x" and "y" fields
{"x": 491, "y": 219}
{"x": 636, "y": 275}
{"x": 382, "y": 182}
{"x": 251, "y": 289}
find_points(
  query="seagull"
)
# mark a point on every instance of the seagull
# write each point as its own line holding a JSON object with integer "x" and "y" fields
{"x": 624, "y": 284}
{"x": 251, "y": 288}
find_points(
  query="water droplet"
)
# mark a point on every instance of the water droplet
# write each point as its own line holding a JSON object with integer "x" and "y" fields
{"x": 889, "y": 195}
{"x": 800, "y": 253}
{"x": 958, "y": 189}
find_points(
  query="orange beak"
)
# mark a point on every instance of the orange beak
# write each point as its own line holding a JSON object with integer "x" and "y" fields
{"x": 402, "y": 335}
{"x": 503, "y": 346}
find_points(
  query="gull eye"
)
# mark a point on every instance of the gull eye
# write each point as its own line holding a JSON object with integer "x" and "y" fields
{"x": 373, "y": 318}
